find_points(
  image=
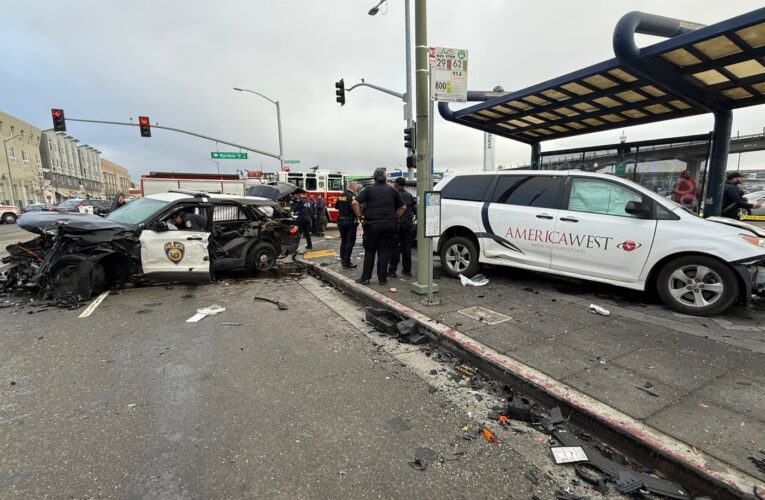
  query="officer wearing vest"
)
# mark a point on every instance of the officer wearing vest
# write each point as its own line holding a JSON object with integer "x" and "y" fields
{"x": 347, "y": 224}
{"x": 382, "y": 206}
{"x": 404, "y": 232}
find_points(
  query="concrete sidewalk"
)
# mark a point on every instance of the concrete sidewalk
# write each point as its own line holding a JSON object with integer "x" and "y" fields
{"x": 696, "y": 386}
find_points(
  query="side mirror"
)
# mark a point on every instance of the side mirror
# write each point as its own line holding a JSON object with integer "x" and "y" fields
{"x": 160, "y": 227}
{"x": 638, "y": 209}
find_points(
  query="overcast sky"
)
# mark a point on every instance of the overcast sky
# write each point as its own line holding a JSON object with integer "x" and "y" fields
{"x": 177, "y": 62}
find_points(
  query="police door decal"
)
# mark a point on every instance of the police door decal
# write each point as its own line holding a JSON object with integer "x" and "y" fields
{"x": 175, "y": 251}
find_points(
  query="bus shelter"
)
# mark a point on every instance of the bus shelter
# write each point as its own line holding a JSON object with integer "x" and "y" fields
{"x": 697, "y": 70}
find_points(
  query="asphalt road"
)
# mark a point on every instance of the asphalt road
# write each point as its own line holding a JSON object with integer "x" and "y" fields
{"x": 133, "y": 402}
{"x": 11, "y": 233}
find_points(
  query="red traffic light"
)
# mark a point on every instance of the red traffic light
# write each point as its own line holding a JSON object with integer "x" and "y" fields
{"x": 59, "y": 122}
{"x": 145, "y": 125}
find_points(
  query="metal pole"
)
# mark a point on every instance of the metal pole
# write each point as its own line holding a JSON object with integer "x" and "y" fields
{"x": 423, "y": 169}
{"x": 408, "y": 95}
{"x": 179, "y": 131}
{"x": 279, "y": 124}
{"x": 718, "y": 160}
{"x": 430, "y": 188}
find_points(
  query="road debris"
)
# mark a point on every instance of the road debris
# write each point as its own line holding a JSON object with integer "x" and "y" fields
{"x": 465, "y": 370}
{"x": 422, "y": 458}
{"x": 489, "y": 436}
{"x": 281, "y": 305}
{"x": 477, "y": 280}
{"x": 596, "y": 309}
{"x": 648, "y": 391}
{"x": 758, "y": 462}
{"x": 533, "y": 479}
{"x": 568, "y": 454}
{"x": 230, "y": 323}
{"x": 206, "y": 311}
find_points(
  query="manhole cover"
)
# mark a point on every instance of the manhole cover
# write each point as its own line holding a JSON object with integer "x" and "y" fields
{"x": 484, "y": 315}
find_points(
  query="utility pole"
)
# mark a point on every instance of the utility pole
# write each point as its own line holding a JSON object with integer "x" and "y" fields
{"x": 408, "y": 95}
{"x": 423, "y": 134}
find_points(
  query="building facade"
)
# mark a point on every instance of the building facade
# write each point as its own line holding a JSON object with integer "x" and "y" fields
{"x": 69, "y": 169}
{"x": 115, "y": 179}
{"x": 20, "y": 162}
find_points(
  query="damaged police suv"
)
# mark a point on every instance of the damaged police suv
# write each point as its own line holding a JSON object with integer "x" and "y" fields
{"x": 601, "y": 228}
{"x": 82, "y": 255}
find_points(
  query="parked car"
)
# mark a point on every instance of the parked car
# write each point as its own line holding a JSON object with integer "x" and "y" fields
{"x": 82, "y": 254}
{"x": 8, "y": 214}
{"x": 37, "y": 207}
{"x": 754, "y": 197}
{"x": 84, "y": 205}
{"x": 602, "y": 228}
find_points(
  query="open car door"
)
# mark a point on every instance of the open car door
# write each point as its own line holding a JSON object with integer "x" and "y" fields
{"x": 175, "y": 255}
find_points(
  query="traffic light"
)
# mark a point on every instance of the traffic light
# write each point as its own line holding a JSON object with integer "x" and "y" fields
{"x": 411, "y": 162}
{"x": 145, "y": 124}
{"x": 340, "y": 92}
{"x": 59, "y": 123}
{"x": 409, "y": 138}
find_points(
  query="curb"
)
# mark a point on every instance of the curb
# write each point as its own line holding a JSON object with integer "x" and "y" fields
{"x": 699, "y": 470}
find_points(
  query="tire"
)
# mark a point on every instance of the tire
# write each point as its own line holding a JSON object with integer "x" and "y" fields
{"x": 262, "y": 257}
{"x": 716, "y": 290}
{"x": 459, "y": 255}
{"x": 9, "y": 218}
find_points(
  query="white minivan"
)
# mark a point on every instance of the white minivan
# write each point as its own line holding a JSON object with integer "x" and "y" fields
{"x": 602, "y": 228}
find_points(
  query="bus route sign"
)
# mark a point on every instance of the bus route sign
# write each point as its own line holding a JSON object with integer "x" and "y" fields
{"x": 448, "y": 74}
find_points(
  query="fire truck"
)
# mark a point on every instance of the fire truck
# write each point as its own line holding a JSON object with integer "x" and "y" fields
{"x": 320, "y": 184}
{"x": 159, "y": 182}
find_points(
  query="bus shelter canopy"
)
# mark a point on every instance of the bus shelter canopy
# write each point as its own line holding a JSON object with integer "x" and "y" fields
{"x": 702, "y": 70}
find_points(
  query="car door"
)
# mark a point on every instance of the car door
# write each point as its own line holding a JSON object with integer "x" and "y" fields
{"x": 595, "y": 236}
{"x": 175, "y": 254}
{"x": 520, "y": 218}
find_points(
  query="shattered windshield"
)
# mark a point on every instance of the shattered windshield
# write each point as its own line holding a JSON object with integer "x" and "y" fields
{"x": 137, "y": 211}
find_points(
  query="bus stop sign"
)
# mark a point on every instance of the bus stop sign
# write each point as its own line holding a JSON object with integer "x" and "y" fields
{"x": 448, "y": 74}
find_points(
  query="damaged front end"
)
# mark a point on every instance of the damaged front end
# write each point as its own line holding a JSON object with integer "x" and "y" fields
{"x": 72, "y": 259}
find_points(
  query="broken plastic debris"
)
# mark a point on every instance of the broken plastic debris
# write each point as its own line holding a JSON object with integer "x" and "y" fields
{"x": 477, "y": 280}
{"x": 206, "y": 311}
{"x": 568, "y": 454}
{"x": 489, "y": 436}
{"x": 595, "y": 309}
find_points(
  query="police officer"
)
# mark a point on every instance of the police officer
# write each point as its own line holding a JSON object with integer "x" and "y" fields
{"x": 347, "y": 224}
{"x": 302, "y": 210}
{"x": 383, "y": 205}
{"x": 190, "y": 221}
{"x": 404, "y": 232}
{"x": 322, "y": 216}
{"x": 733, "y": 198}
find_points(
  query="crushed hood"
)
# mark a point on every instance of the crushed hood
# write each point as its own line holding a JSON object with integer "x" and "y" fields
{"x": 737, "y": 223}
{"x": 39, "y": 222}
{"x": 273, "y": 190}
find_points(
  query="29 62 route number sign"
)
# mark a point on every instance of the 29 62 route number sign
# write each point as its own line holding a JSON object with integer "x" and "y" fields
{"x": 448, "y": 74}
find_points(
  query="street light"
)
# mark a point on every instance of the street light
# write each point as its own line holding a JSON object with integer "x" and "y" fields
{"x": 408, "y": 95}
{"x": 216, "y": 164}
{"x": 278, "y": 120}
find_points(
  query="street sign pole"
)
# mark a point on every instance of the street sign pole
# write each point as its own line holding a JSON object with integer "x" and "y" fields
{"x": 423, "y": 168}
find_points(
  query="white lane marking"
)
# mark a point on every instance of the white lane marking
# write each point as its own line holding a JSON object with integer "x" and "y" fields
{"x": 92, "y": 307}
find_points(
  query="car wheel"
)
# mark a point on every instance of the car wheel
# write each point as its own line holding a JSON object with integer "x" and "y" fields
{"x": 459, "y": 255}
{"x": 9, "y": 218}
{"x": 262, "y": 257}
{"x": 697, "y": 285}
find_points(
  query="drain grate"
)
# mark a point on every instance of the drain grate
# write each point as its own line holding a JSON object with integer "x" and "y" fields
{"x": 484, "y": 315}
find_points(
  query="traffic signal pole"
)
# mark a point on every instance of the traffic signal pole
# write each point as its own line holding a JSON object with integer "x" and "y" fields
{"x": 421, "y": 286}
{"x": 180, "y": 131}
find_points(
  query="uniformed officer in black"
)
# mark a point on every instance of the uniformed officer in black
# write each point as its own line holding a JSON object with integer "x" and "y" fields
{"x": 404, "y": 233}
{"x": 302, "y": 210}
{"x": 190, "y": 221}
{"x": 347, "y": 224}
{"x": 382, "y": 206}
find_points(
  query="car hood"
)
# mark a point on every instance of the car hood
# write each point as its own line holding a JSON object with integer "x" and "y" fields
{"x": 737, "y": 223}
{"x": 273, "y": 191}
{"x": 39, "y": 222}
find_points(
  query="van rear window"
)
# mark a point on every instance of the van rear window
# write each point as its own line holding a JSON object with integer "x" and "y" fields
{"x": 467, "y": 187}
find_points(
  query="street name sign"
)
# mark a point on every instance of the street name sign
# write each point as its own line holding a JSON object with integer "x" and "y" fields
{"x": 448, "y": 74}
{"x": 228, "y": 155}
{"x": 291, "y": 161}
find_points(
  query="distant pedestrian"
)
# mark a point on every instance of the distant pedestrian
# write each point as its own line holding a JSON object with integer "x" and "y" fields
{"x": 119, "y": 201}
{"x": 684, "y": 191}
{"x": 322, "y": 216}
{"x": 302, "y": 210}
{"x": 382, "y": 206}
{"x": 404, "y": 233}
{"x": 347, "y": 224}
{"x": 733, "y": 197}
{"x": 314, "y": 223}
